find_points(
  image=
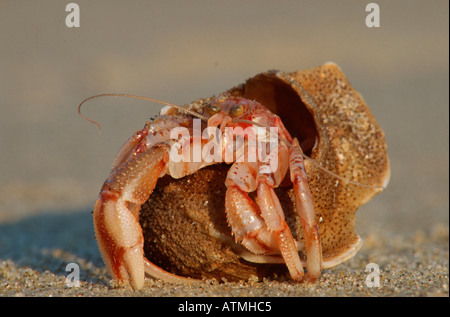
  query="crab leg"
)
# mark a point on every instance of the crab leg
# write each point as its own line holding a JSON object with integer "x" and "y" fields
{"x": 273, "y": 215}
{"x": 261, "y": 227}
{"x": 116, "y": 215}
{"x": 305, "y": 209}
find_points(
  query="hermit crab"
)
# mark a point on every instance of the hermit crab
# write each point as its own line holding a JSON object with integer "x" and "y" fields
{"x": 270, "y": 172}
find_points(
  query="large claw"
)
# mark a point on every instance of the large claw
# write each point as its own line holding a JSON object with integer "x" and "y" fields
{"x": 116, "y": 213}
{"x": 120, "y": 239}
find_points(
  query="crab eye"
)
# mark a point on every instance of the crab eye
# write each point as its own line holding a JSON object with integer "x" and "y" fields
{"x": 237, "y": 111}
{"x": 212, "y": 109}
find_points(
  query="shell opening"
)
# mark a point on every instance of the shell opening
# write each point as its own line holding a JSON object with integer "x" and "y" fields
{"x": 283, "y": 100}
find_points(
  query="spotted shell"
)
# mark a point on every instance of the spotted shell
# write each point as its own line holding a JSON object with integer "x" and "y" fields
{"x": 184, "y": 222}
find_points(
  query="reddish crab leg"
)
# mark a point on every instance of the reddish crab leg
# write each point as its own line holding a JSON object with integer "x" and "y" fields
{"x": 273, "y": 215}
{"x": 305, "y": 209}
{"x": 260, "y": 227}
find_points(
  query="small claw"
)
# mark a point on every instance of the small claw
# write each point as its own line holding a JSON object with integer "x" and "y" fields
{"x": 246, "y": 224}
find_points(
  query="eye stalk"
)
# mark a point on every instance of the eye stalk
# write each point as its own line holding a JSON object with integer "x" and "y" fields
{"x": 237, "y": 111}
{"x": 213, "y": 109}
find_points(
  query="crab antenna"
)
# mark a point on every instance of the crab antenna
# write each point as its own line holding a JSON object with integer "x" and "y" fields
{"x": 180, "y": 108}
{"x": 85, "y": 117}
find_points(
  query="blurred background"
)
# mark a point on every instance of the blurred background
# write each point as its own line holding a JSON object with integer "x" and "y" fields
{"x": 53, "y": 162}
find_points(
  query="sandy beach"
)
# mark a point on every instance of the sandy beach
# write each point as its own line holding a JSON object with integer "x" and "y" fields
{"x": 53, "y": 162}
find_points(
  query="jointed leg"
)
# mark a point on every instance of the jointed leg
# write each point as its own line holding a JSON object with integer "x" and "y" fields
{"x": 273, "y": 216}
{"x": 261, "y": 227}
{"x": 305, "y": 209}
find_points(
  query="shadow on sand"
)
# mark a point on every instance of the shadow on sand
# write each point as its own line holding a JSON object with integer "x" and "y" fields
{"x": 51, "y": 240}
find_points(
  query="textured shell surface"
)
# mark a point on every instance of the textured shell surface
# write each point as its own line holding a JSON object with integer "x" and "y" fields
{"x": 184, "y": 222}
